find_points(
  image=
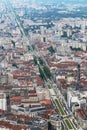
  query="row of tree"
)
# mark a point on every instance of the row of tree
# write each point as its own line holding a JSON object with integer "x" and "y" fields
{"x": 75, "y": 49}
{"x": 40, "y": 60}
{"x": 44, "y": 72}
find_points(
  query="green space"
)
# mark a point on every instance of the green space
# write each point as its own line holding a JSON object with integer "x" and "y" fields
{"x": 49, "y": 87}
{"x": 51, "y": 49}
{"x": 41, "y": 61}
{"x": 44, "y": 72}
{"x": 35, "y": 60}
{"x": 60, "y": 107}
{"x": 68, "y": 124}
{"x": 47, "y": 71}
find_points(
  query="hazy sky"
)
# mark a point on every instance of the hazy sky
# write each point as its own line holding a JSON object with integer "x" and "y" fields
{"x": 60, "y": 1}
{"x": 55, "y": 1}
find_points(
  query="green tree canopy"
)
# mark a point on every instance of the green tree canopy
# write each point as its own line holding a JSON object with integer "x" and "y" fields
{"x": 13, "y": 42}
{"x": 41, "y": 61}
{"x": 47, "y": 71}
{"x": 35, "y": 60}
{"x": 51, "y": 49}
{"x": 42, "y": 74}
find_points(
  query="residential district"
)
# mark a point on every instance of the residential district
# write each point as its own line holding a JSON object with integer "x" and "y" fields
{"x": 43, "y": 67}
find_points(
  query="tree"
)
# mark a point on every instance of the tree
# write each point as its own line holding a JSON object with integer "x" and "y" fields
{"x": 50, "y": 127}
{"x": 35, "y": 60}
{"x": 64, "y": 34}
{"x": 51, "y": 49}
{"x": 42, "y": 73}
{"x": 14, "y": 65}
{"x": 33, "y": 47}
{"x": 47, "y": 71}
{"x": 75, "y": 49}
{"x": 13, "y": 42}
{"x": 41, "y": 61}
{"x": 29, "y": 48}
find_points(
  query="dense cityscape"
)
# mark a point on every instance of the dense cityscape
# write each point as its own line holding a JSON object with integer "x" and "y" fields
{"x": 43, "y": 65}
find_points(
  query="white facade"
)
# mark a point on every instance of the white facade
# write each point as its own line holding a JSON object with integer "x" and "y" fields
{"x": 4, "y": 129}
{"x": 56, "y": 122}
{"x": 42, "y": 94}
{"x": 75, "y": 99}
{"x": 3, "y": 105}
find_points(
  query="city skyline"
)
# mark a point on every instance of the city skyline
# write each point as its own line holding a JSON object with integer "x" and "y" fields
{"x": 43, "y": 65}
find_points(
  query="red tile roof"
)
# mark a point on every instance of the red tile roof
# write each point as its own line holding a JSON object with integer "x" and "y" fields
{"x": 12, "y": 126}
{"x": 84, "y": 83}
{"x": 82, "y": 113}
{"x": 18, "y": 98}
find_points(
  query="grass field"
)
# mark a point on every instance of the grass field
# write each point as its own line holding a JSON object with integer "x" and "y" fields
{"x": 60, "y": 107}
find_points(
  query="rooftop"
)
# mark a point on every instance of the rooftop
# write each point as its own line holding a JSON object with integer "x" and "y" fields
{"x": 82, "y": 113}
{"x": 55, "y": 117}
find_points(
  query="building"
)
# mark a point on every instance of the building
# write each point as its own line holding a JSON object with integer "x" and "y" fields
{"x": 76, "y": 99}
{"x": 3, "y": 79}
{"x": 3, "y": 105}
{"x": 43, "y": 39}
{"x": 42, "y": 93}
{"x": 2, "y": 128}
{"x": 56, "y": 122}
{"x": 34, "y": 128}
{"x": 40, "y": 123}
{"x": 69, "y": 32}
{"x": 81, "y": 115}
